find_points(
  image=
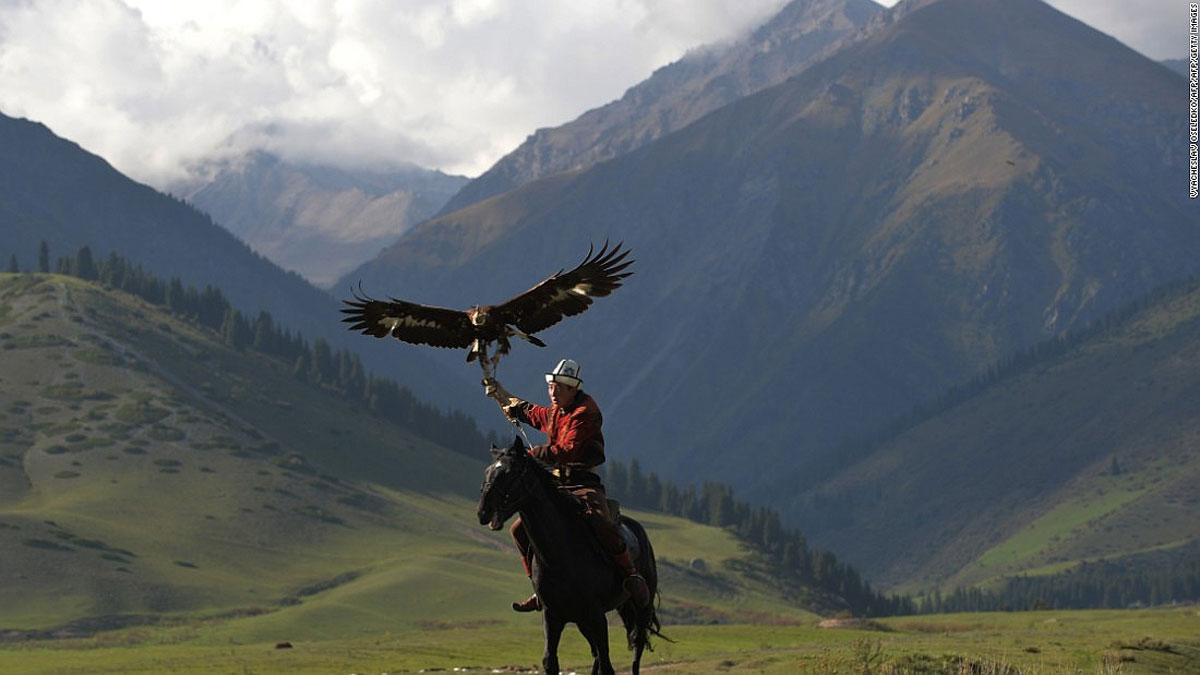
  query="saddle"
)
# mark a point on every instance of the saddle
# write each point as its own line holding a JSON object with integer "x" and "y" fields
{"x": 575, "y": 478}
{"x": 631, "y": 540}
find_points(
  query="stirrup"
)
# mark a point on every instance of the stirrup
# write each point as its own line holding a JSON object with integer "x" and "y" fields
{"x": 530, "y": 604}
{"x": 637, "y": 589}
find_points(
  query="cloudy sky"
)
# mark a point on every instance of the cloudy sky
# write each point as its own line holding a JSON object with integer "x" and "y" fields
{"x": 450, "y": 84}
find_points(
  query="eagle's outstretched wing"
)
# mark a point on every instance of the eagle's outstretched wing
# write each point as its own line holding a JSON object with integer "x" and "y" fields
{"x": 410, "y": 322}
{"x": 567, "y": 293}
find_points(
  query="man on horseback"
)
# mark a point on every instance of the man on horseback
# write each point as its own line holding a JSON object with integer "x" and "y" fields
{"x": 574, "y": 448}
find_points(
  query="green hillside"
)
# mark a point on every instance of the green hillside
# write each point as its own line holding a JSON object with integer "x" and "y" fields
{"x": 150, "y": 473}
{"x": 1085, "y": 455}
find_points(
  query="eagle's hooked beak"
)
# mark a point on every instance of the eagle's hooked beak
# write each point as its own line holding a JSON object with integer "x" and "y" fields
{"x": 478, "y": 316}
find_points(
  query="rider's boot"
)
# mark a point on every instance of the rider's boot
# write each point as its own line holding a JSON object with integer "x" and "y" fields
{"x": 530, "y": 604}
{"x": 635, "y": 585}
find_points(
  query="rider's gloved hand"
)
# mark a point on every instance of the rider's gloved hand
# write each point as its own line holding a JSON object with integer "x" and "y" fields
{"x": 490, "y": 387}
{"x": 511, "y": 405}
{"x": 513, "y": 408}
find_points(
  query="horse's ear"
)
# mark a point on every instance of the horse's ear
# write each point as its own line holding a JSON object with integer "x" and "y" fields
{"x": 497, "y": 453}
{"x": 517, "y": 445}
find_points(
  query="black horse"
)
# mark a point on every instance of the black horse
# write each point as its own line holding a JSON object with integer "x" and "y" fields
{"x": 575, "y": 580}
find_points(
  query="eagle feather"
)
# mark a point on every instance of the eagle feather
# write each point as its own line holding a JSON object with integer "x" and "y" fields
{"x": 559, "y": 295}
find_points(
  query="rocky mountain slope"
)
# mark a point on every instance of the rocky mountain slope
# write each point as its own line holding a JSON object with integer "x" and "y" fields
{"x": 972, "y": 177}
{"x": 319, "y": 222}
{"x": 678, "y": 94}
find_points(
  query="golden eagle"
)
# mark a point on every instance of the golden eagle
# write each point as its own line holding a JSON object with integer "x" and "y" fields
{"x": 562, "y": 294}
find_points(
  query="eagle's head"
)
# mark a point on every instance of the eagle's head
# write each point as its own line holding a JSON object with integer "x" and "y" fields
{"x": 478, "y": 315}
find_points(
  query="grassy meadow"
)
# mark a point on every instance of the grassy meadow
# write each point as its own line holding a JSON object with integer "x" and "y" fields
{"x": 1127, "y": 641}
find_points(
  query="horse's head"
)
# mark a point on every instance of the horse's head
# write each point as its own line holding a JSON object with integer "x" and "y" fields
{"x": 503, "y": 488}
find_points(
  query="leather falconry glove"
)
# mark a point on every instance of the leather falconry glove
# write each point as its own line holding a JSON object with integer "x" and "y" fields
{"x": 508, "y": 403}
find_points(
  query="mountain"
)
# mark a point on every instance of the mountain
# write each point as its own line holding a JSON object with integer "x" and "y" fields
{"x": 1087, "y": 453}
{"x": 1181, "y": 66}
{"x": 152, "y": 474}
{"x": 54, "y": 191}
{"x": 812, "y": 260}
{"x": 318, "y": 221}
{"x": 678, "y": 94}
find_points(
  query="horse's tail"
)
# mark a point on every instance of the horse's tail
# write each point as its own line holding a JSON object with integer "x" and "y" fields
{"x": 641, "y": 623}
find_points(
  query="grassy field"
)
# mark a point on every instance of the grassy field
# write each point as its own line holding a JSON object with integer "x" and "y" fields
{"x": 1133, "y": 641}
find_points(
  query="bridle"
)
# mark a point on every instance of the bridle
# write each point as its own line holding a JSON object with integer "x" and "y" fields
{"x": 508, "y": 503}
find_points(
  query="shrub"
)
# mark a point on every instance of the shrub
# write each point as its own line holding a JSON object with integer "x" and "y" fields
{"x": 47, "y": 545}
{"x": 165, "y": 433}
{"x": 141, "y": 413}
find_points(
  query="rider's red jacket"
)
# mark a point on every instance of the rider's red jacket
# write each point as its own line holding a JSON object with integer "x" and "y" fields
{"x": 573, "y": 434}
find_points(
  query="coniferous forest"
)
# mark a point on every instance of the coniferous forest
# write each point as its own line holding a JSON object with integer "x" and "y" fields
{"x": 786, "y": 550}
{"x": 1173, "y": 579}
{"x": 1139, "y": 581}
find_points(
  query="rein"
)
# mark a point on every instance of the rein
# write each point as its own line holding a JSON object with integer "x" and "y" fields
{"x": 507, "y": 503}
{"x": 489, "y": 373}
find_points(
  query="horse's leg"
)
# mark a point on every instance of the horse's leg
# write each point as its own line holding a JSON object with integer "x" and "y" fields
{"x": 595, "y": 629}
{"x": 637, "y": 656}
{"x": 629, "y": 618}
{"x": 552, "y": 626}
{"x": 635, "y": 631}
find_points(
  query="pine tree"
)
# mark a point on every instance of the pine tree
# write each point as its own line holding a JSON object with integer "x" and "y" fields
{"x": 300, "y": 369}
{"x": 85, "y": 266}
{"x": 653, "y": 491}
{"x": 234, "y": 331}
{"x": 265, "y": 335}
{"x": 176, "y": 297}
{"x": 323, "y": 370}
{"x": 617, "y": 479}
{"x": 637, "y": 484}
{"x": 113, "y": 270}
{"x": 44, "y": 257}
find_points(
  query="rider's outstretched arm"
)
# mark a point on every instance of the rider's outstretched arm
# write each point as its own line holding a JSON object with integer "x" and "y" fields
{"x": 512, "y": 406}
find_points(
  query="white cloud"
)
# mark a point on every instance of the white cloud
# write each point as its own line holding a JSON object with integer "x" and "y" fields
{"x": 1156, "y": 28}
{"x": 451, "y": 84}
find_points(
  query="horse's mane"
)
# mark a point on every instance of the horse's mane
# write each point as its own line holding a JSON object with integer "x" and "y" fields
{"x": 564, "y": 501}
